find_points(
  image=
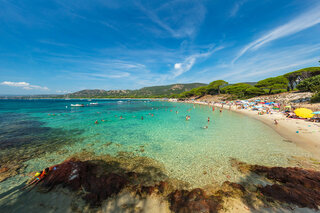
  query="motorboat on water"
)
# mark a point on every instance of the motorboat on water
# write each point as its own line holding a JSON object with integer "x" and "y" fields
{"x": 93, "y": 103}
{"x": 77, "y": 105}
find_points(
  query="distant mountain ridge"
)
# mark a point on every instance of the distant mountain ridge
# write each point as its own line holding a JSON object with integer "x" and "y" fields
{"x": 145, "y": 92}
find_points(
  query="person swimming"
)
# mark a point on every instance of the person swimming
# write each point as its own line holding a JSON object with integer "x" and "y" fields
{"x": 141, "y": 117}
{"x": 205, "y": 127}
{"x": 96, "y": 122}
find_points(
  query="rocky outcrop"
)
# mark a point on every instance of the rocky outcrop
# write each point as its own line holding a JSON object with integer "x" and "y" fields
{"x": 294, "y": 185}
{"x": 78, "y": 175}
{"x": 95, "y": 182}
{"x": 194, "y": 201}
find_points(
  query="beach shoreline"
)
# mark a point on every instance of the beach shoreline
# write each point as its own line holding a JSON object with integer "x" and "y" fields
{"x": 300, "y": 132}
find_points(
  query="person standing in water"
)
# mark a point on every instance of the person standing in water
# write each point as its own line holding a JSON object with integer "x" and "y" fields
{"x": 141, "y": 117}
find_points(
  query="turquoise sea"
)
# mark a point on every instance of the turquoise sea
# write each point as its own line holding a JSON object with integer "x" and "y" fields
{"x": 35, "y": 134}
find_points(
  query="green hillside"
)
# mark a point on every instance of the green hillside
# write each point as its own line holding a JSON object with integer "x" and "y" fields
{"x": 154, "y": 91}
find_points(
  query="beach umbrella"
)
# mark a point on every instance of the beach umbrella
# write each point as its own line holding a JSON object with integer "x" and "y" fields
{"x": 303, "y": 113}
{"x": 316, "y": 113}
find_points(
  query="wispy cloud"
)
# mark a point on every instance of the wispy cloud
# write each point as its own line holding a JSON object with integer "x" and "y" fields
{"x": 63, "y": 91}
{"x": 267, "y": 64}
{"x": 187, "y": 64}
{"x": 302, "y": 22}
{"x": 23, "y": 85}
{"x": 54, "y": 43}
{"x": 236, "y": 7}
{"x": 111, "y": 75}
{"x": 177, "y": 20}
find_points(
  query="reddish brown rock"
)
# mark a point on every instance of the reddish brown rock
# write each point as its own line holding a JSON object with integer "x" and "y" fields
{"x": 78, "y": 175}
{"x": 4, "y": 169}
{"x": 193, "y": 201}
{"x": 163, "y": 186}
{"x": 159, "y": 188}
{"x": 294, "y": 185}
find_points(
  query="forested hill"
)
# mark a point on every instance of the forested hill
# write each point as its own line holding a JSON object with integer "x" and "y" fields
{"x": 154, "y": 91}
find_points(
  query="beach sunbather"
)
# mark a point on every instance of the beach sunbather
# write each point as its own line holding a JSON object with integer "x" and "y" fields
{"x": 38, "y": 177}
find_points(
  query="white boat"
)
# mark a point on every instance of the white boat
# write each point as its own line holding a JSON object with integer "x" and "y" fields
{"x": 93, "y": 103}
{"x": 77, "y": 105}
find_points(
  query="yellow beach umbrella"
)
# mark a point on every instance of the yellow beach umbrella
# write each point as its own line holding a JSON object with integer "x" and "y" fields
{"x": 304, "y": 113}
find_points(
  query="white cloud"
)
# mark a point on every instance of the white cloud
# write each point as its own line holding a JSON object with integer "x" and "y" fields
{"x": 177, "y": 66}
{"x": 111, "y": 75}
{"x": 187, "y": 64}
{"x": 265, "y": 64}
{"x": 180, "y": 68}
{"x": 302, "y": 22}
{"x": 236, "y": 7}
{"x": 63, "y": 91}
{"x": 175, "y": 20}
{"x": 23, "y": 85}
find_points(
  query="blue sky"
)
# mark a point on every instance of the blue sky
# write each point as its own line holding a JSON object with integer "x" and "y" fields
{"x": 64, "y": 46}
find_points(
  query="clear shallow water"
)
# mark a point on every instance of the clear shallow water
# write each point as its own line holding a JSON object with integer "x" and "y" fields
{"x": 189, "y": 152}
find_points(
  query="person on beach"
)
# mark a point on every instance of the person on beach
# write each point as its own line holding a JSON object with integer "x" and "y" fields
{"x": 275, "y": 122}
{"x": 38, "y": 177}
